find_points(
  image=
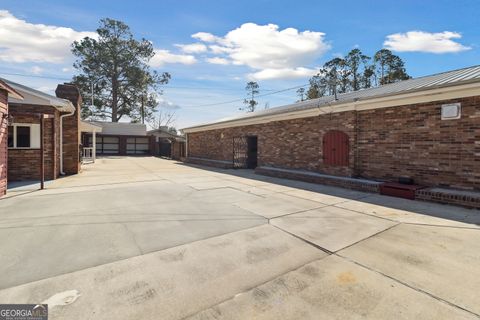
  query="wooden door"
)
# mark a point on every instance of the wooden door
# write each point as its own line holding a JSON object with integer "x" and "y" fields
{"x": 336, "y": 148}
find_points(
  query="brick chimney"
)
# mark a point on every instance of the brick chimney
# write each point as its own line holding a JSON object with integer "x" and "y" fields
{"x": 71, "y": 128}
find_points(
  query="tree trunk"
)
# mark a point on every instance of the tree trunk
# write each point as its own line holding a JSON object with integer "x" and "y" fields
{"x": 114, "y": 96}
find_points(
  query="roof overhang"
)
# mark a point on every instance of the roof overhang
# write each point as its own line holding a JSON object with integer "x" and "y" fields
{"x": 423, "y": 96}
{"x": 35, "y": 97}
{"x": 89, "y": 127}
{"x": 11, "y": 92}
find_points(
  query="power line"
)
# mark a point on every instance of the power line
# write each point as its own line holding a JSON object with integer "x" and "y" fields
{"x": 33, "y": 76}
{"x": 241, "y": 100}
{"x": 180, "y": 87}
{"x": 166, "y": 86}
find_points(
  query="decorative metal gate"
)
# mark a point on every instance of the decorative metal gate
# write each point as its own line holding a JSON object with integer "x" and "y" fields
{"x": 240, "y": 152}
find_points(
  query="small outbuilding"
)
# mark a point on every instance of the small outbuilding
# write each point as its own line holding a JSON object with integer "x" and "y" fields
{"x": 424, "y": 130}
{"x": 168, "y": 143}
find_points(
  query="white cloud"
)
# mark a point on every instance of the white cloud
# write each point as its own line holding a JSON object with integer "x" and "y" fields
{"x": 21, "y": 41}
{"x": 285, "y": 73}
{"x": 218, "y": 60}
{"x": 205, "y": 36}
{"x": 167, "y": 104}
{"x": 274, "y": 52}
{"x": 163, "y": 57}
{"x": 216, "y": 49}
{"x": 421, "y": 41}
{"x": 193, "y": 47}
{"x": 36, "y": 70}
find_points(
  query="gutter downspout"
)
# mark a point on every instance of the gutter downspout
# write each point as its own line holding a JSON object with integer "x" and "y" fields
{"x": 61, "y": 139}
{"x": 186, "y": 145}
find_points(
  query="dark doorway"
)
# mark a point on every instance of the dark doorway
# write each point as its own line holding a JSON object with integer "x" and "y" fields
{"x": 252, "y": 152}
{"x": 165, "y": 149}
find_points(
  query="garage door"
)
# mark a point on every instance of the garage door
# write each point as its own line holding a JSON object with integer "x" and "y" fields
{"x": 107, "y": 145}
{"x": 138, "y": 145}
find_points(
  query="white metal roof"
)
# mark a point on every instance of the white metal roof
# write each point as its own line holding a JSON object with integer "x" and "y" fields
{"x": 121, "y": 128}
{"x": 440, "y": 80}
{"x": 163, "y": 133}
{"x": 86, "y": 126}
{"x": 35, "y": 97}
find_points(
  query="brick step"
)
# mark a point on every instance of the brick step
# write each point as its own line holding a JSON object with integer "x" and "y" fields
{"x": 210, "y": 162}
{"x": 464, "y": 198}
{"x": 314, "y": 177}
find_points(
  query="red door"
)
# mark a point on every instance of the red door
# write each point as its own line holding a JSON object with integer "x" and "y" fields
{"x": 336, "y": 148}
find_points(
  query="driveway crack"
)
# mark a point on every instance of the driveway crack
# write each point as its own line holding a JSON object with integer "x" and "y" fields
{"x": 132, "y": 235}
{"x": 408, "y": 285}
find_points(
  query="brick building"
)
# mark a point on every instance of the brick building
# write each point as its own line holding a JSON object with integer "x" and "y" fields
{"x": 426, "y": 129}
{"x": 60, "y": 132}
{"x": 5, "y": 92}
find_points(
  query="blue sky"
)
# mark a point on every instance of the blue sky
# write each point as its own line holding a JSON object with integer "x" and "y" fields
{"x": 277, "y": 43}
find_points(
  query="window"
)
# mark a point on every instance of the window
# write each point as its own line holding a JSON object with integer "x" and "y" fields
{"x": 10, "y": 137}
{"x": 24, "y": 136}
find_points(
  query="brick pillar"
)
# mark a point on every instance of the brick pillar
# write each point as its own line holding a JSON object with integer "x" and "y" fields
{"x": 3, "y": 141}
{"x": 71, "y": 128}
{"x": 153, "y": 146}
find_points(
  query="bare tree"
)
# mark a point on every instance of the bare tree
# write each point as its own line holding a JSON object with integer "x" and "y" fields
{"x": 164, "y": 119}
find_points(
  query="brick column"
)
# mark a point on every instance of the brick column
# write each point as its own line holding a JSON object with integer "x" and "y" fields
{"x": 3, "y": 141}
{"x": 71, "y": 128}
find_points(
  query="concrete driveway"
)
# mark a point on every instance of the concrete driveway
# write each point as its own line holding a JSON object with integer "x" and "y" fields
{"x": 146, "y": 238}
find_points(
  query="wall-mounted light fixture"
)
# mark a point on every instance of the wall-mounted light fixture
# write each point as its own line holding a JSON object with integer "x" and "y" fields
{"x": 451, "y": 111}
{"x": 8, "y": 117}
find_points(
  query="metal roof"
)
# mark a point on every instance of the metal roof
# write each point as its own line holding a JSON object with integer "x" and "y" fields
{"x": 121, "y": 128}
{"x": 35, "y": 97}
{"x": 86, "y": 126}
{"x": 444, "y": 79}
{"x": 163, "y": 133}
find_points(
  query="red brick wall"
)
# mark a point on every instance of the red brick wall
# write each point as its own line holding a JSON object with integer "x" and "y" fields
{"x": 24, "y": 164}
{"x": 384, "y": 143}
{"x": 413, "y": 141}
{"x": 294, "y": 144}
{"x": 178, "y": 150}
{"x": 3, "y": 141}
{"x": 71, "y": 129}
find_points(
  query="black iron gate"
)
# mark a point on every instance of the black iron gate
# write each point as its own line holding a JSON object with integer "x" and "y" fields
{"x": 240, "y": 152}
{"x": 164, "y": 149}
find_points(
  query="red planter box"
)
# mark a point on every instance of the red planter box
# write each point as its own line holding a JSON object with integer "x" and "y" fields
{"x": 393, "y": 189}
